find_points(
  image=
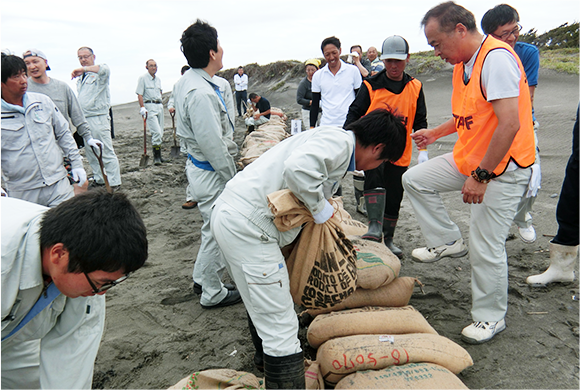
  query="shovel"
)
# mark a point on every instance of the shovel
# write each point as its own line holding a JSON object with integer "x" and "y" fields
{"x": 144, "y": 158}
{"x": 100, "y": 158}
{"x": 174, "y": 149}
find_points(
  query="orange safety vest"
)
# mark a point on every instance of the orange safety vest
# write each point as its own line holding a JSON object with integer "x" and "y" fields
{"x": 475, "y": 120}
{"x": 404, "y": 105}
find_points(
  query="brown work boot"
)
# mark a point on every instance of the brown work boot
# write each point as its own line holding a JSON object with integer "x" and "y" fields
{"x": 189, "y": 205}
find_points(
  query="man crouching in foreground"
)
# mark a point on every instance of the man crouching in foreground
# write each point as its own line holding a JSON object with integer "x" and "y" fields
{"x": 311, "y": 165}
{"x": 57, "y": 265}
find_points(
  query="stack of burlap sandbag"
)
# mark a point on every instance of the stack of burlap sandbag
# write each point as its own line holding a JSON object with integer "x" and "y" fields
{"x": 371, "y": 339}
{"x": 263, "y": 137}
{"x": 385, "y": 348}
{"x": 331, "y": 267}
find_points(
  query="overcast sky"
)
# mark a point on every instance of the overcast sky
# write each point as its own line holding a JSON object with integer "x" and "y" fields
{"x": 125, "y": 33}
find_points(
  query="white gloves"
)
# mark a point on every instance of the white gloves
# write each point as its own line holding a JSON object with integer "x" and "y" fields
{"x": 423, "y": 156}
{"x": 79, "y": 175}
{"x": 95, "y": 143}
{"x": 326, "y": 213}
{"x": 535, "y": 181}
{"x": 143, "y": 111}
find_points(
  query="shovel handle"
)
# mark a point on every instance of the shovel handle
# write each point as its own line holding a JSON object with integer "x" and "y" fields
{"x": 145, "y": 134}
{"x": 102, "y": 166}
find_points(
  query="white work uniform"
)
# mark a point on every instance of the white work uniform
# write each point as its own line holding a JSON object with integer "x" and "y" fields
{"x": 34, "y": 139}
{"x": 150, "y": 88}
{"x": 311, "y": 165}
{"x": 58, "y": 347}
{"x": 95, "y": 99}
{"x": 206, "y": 129}
{"x": 226, "y": 91}
{"x": 336, "y": 92}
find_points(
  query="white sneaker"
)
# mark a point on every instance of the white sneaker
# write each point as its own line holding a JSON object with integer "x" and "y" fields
{"x": 480, "y": 332}
{"x": 528, "y": 235}
{"x": 430, "y": 255}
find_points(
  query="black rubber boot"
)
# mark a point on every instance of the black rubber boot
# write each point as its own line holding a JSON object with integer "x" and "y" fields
{"x": 375, "y": 203}
{"x": 359, "y": 188}
{"x": 389, "y": 225}
{"x": 157, "y": 155}
{"x": 257, "y": 341}
{"x": 285, "y": 372}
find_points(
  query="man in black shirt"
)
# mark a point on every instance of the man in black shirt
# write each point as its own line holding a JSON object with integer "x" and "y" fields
{"x": 262, "y": 105}
{"x": 402, "y": 94}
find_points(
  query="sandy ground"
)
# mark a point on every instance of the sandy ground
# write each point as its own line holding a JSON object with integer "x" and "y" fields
{"x": 157, "y": 333}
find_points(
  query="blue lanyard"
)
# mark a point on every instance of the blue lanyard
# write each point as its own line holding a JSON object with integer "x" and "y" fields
{"x": 43, "y": 301}
{"x": 217, "y": 90}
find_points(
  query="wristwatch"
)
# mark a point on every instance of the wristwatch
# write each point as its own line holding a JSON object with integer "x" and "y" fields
{"x": 482, "y": 175}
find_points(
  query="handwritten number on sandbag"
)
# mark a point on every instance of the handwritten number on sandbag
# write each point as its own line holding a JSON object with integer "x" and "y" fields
{"x": 360, "y": 360}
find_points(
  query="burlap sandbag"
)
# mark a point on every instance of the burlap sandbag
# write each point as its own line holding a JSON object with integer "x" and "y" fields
{"x": 342, "y": 356}
{"x": 322, "y": 264}
{"x": 394, "y": 294}
{"x": 376, "y": 265}
{"x": 313, "y": 379}
{"x": 350, "y": 226}
{"x": 407, "y": 376}
{"x": 260, "y": 140}
{"x": 367, "y": 320}
{"x": 219, "y": 379}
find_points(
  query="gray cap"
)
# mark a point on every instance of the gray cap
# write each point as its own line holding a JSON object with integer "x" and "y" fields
{"x": 395, "y": 48}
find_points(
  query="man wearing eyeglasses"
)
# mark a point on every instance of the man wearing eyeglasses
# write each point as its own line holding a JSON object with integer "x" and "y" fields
{"x": 95, "y": 99}
{"x": 54, "y": 275}
{"x": 501, "y": 22}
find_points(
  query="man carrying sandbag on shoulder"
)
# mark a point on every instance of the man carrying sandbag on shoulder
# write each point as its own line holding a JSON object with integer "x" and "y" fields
{"x": 311, "y": 165}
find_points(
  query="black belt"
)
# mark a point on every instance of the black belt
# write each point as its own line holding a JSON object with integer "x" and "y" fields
{"x": 153, "y": 101}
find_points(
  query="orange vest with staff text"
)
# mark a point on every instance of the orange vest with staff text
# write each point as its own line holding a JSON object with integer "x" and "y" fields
{"x": 405, "y": 104}
{"x": 475, "y": 120}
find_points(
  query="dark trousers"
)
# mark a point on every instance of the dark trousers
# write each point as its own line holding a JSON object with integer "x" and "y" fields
{"x": 388, "y": 176}
{"x": 241, "y": 96}
{"x": 567, "y": 209}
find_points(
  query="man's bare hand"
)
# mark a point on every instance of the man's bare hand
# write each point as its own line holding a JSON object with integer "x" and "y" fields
{"x": 77, "y": 72}
{"x": 473, "y": 191}
{"x": 423, "y": 138}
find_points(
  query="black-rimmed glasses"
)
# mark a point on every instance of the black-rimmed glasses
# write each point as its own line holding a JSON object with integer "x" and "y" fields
{"x": 515, "y": 32}
{"x": 107, "y": 285}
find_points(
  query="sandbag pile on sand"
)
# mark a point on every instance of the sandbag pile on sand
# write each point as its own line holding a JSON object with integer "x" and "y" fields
{"x": 380, "y": 348}
{"x": 374, "y": 340}
{"x": 378, "y": 281}
{"x": 263, "y": 138}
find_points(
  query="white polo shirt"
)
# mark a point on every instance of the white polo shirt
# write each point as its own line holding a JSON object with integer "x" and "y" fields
{"x": 336, "y": 92}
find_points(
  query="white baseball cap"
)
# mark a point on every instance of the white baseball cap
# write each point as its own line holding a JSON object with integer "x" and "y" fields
{"x": 36, "y": 53}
